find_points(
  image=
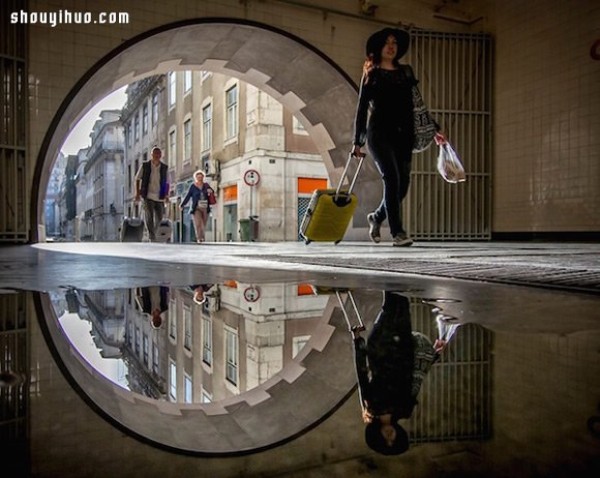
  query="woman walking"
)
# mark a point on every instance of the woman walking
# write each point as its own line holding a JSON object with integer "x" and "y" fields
{"x": 386, "y": 91}
{"x": 199, "y": 193}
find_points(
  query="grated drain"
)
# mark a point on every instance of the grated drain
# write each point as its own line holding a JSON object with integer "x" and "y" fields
{"x": 575, "y": 279}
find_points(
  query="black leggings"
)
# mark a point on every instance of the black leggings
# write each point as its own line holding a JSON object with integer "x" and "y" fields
{"x": 392, "y": 153}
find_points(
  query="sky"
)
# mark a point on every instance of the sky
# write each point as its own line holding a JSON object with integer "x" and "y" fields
{"x": 80, "y": 135}
{"x": 78, "y": 331}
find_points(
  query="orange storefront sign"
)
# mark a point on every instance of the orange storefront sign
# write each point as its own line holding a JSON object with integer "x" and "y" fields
{"x": 308, "y": 185}
{"x": 230, "y": 193}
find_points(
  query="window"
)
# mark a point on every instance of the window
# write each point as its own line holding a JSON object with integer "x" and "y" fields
{"x": 173, "y": 380}
{"x": 171, "y": 159}
{"x": 207, "y": 127}
{"x": 297, "y": 127}
{"x": 187, "y": 328}
{"x": 205, "y": 397}
{"x": 155, "y": 358}
{"x": 154, "y": 109}
{"x": 231, "y": 355}
{"x": 187, "y": 388}
{"x": 172, "y": 89}
{"x": 172, "y": 320}
{"x": 204, "y": 75}
{"x": 187, "y": 140}
{"x": 136, "y": 128}
{"x": 129, "y": 134}
{"x": 187, "y": 81}
{"x": 146, "y": 349}
{"x": 298, "y": 344}
{"x": 145, "y": 119}
{"x": 231, "y": 113}
{"x": 137, "y": 341}
{"x": 207, "y": 341}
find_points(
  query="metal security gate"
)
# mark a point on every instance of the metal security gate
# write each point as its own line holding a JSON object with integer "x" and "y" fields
{"x": 455, "y": 399}
{"x": 455, "y": 74}
{"x": 13, "y": 126}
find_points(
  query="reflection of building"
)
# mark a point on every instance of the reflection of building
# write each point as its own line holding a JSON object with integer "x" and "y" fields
{"x": 144, "y": 351}
{"x": 239, "y": 338}
{"x": 230, "y": 129}
{"x": 105, "y": 311}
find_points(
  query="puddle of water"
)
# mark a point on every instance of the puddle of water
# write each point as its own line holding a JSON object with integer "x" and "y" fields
{"x": 182, "y": 366}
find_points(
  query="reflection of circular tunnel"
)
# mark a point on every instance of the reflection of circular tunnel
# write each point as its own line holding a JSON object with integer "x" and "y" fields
{"x": 304, "y": 393}
{"x": 308, "y": 84}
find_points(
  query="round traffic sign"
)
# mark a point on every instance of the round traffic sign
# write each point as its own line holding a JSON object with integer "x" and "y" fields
{"x": 251, "y": 177}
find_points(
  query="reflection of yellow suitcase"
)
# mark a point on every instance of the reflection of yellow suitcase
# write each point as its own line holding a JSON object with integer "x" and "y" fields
{"x": 330, "y": 210}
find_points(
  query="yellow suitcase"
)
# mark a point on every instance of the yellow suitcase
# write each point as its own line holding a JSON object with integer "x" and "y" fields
{"x": 330, "y": 210}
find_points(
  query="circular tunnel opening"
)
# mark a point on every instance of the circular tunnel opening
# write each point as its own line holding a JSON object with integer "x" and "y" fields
{"x": 310, "y": 86}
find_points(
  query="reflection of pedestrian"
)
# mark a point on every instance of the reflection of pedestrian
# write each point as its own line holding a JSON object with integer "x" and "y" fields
{"x": 154, "y": 301}
{"x": 199, "y": 193}
{"x": 391, "y": 367}
{"x": 387, "y": 92}
{"x": 151, "y": 185}
{"x": 200, "y": 292}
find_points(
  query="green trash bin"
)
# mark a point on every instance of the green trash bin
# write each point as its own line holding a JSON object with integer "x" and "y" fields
{"x": 245, "y": 230}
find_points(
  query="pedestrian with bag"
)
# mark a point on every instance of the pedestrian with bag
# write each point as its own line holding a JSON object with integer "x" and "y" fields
{"x": 151, "y": 185}
{"x": 393, "y": 121}
{"x": 202, "y": 196}
{"x": 391, "y": 366}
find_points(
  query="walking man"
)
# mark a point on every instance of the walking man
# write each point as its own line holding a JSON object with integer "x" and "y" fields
{"x": 151, "y": 185}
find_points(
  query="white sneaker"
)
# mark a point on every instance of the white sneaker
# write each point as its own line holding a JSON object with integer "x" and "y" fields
{"x": 374, "y": 233}
{"x": 402, "y": 240}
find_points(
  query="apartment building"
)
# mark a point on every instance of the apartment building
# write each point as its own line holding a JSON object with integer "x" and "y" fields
{"x": 143, "y": 123}
{"x": 100, "y": 180}
{"x": 255, "y": 153}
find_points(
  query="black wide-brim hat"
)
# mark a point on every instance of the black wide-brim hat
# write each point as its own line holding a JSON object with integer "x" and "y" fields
{"x": 377, "y": 40}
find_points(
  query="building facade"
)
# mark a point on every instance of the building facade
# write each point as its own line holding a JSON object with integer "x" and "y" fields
{"x": 255, "y": 154}
{"x": 143, "y": 121}
{"x": 100, "y": 180}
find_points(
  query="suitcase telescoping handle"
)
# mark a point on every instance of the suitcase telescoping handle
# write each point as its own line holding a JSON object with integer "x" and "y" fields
{"x": 361, "y": 325}
{"x": 360, "y": 158}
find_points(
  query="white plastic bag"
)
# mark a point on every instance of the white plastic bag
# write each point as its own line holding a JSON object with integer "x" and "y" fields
{"x": 449, "y": 165}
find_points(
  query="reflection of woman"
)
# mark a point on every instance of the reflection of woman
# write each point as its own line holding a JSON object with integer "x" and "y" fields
{"x": 391, "y": 367}
{"x": 198, "y": 192}
{"x": 386, "y": 90}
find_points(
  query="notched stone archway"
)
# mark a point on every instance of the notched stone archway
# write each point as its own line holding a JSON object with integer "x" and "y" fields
{"x": 323, "y": 98}
{"x": 304, "y": 80}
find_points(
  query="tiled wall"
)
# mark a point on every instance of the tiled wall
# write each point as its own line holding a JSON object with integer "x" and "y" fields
{"x": 547, "y": 94}
{"x": 546, "y": 171}
{"x": 60, "y": 56}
